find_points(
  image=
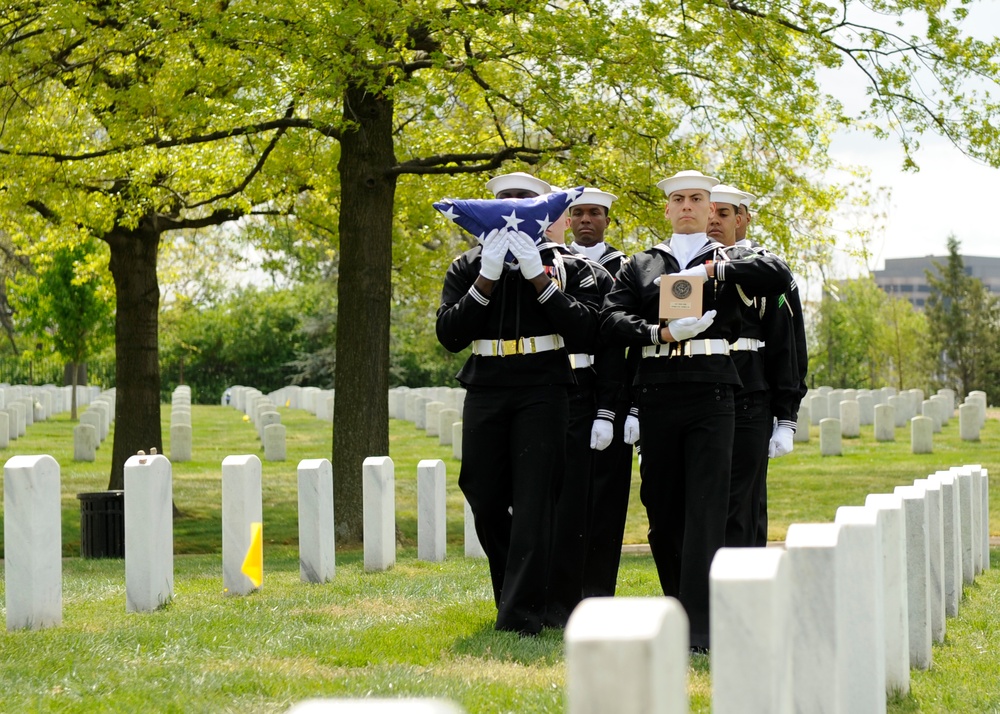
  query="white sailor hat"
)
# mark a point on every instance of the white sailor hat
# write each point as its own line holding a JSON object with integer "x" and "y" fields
{"x": 687, "y": 179}
{"x": 518, "y": 180}
{"x": 595, "y": 197}
{"x": 727, "y": 194}
{"x": 748, "y": 198}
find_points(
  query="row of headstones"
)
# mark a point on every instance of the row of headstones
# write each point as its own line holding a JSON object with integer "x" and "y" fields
{"x": 261, "y": 411}
{"x": 94, "y": 426}
{"x": 46, "y": 399}
{"x": 181, "y": 432}
{"x": 831, "y": 623}
{"x": 826, "y": 402}
{"x": 437, "y": 411}
{"x": 318, "y": 402}
{"x": 33, "y": 517}
{"x": 935, "y": 413}
{"x": 23, "y": 405}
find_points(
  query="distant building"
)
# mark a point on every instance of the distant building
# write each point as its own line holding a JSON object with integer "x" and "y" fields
{"x": 905, "y": 277}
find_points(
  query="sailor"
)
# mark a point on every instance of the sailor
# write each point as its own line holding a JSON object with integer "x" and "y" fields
{"x": 765, "y": 322}
{"x": 607, "y": 506}
{"x": 517, "y": 305}
{"x": 684, "y": 387}
{"x": 787, "y": 390}
{"x": 590, "y": 432}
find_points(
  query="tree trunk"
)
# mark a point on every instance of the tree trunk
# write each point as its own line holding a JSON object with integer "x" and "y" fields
{"x": 361, "y": 410}
{"x": 137, "y": 369}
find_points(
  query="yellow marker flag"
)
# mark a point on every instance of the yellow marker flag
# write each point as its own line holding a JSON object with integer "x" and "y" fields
{"x": 253, "y": 564}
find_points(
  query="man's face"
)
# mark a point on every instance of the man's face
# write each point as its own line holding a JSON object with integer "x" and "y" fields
{"x": 745, "y": 218}
{"x": 688, "y": 210}
{"x": 724, "y": 223}
{"x": 589, "y": 222}
{"x": 516, "y": 193}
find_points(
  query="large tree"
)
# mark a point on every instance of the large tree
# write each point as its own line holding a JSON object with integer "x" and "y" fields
{"x": 964, "y": 321}
{"x": 120, "y": 122}
{"x": 67, "y": 301}
{"x": 612, "y": 93}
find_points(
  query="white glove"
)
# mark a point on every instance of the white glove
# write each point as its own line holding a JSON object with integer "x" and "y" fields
{"x": 601, "y": 434}
{"x": 684, "y": 328}
{"x": 781, "y": 441}
{"x": 698, "y": 271}
{"x": 526, "y": 252}
{"x": 495, "y": 248}
{"x": 631, "y": 429}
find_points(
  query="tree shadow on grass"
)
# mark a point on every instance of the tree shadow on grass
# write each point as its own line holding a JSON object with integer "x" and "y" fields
{"x": 489, "y": 643}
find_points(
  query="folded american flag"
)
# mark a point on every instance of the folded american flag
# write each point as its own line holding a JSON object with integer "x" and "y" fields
{"x": 529, "y": 215}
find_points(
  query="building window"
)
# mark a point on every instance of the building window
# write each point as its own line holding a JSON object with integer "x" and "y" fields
{"x": 907, "y": 288}
{"x": 923, "y": 288}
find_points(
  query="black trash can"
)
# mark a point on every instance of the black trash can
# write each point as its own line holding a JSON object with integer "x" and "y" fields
{"x": 102, "y": 524}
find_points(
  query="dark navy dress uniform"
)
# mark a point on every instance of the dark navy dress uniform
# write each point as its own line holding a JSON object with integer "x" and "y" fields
{"x": 763, "y": 396}
{"x": 515, "y": 414}
{"x": 786, "y": 361}
{"x": 607, "y": 508}
{"x": 686, "y": 410}
{"x": 571, "y": 526}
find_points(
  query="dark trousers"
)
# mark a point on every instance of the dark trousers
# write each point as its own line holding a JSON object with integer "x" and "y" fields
{"x": 750, "y": 442}
{"x": 760, "y": 538}
{"x": 607, "y": 512}
{"x": 513, "y": 454}
{"x": 687, "y": 450}
{"x": 569, "y": 533}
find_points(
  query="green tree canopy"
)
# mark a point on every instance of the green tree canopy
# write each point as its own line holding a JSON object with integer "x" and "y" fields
{"x": 865, "y": 338}
{"x": 136, "y": 118}
{"x": 964, "y": 321}
{"x": 68, "y": 301}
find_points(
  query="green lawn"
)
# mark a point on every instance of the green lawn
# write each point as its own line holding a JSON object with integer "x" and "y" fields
{"x": 421, "y": 629}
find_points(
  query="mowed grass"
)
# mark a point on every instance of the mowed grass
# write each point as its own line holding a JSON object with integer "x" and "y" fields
{"x": 420, "y": 629}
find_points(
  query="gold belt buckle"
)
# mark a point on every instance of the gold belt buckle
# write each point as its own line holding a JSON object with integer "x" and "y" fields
{"x": 508, "y": 347}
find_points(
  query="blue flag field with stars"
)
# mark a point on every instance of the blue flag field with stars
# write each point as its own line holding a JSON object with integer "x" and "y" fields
{"x": 529, "y": 215}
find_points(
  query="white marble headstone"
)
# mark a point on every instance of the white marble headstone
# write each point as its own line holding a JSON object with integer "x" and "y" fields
{"x": 861, "y": 609}
{"x": 180, "y": 442}
{"x": 830, "y": 437}
{"x": 242, "y": 505}
{"x": 32, "y": 533}
{"x": 922, "y": 435}
{"x": 149, "y": 533}
{"x": 935, "y": 554}
{"x": 627, "y": 656}
{"x": 378, "y": 494}
{"x": 813, "y": 558}
{"x": 965, "y": 501}
{"x": 889, "y": 506}
{"x": 951, "y": 533}
{"x": 751, "y": 632}
{"x": 317, "y": 550}
{"x": 432, "y": 533}
{"x": 917, "y": 574}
